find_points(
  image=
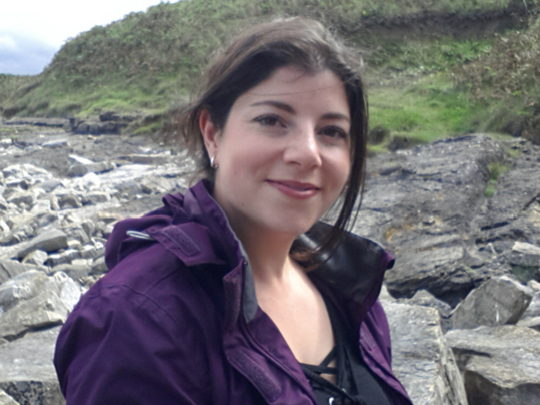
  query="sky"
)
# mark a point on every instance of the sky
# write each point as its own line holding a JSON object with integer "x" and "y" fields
{"x": 32, "y": 31}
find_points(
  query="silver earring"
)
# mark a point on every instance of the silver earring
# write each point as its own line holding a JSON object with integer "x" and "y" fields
{"x": 212, "y": 164}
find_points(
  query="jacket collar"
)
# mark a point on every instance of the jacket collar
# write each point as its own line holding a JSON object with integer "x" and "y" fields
{"x": 194, "y": 228}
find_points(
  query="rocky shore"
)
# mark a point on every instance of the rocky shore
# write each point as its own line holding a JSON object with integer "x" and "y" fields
{"x": 461, "y": 215}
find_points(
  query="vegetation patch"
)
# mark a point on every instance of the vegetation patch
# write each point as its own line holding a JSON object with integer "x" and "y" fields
{"x": 495, "y": 171}
{"x": 505, "y": 81}
{"x": 424, "y": 84}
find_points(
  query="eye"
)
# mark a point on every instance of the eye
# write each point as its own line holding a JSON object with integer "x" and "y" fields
{"x": 334, "y": 132}
{"x": 268, "y": 120}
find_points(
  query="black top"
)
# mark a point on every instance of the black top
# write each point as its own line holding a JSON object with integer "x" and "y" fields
{"x": 355, "y": 383}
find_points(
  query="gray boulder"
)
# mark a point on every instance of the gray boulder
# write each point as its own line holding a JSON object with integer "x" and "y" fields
{"x": 26, "y": 371}
{"x": 500, "y": 366}
{"x": 422, "y": 203}
{"x": 34, "y": 301}
{"x": 533, "y": 310}
{"x": 498, "y": 301}
{"x": 10, "y": 269}
{"x": 77, "y": 271}
{"x": 421, "y": 359}
{"x": 37, "y": 257}
{"x": 50, "y": 240}
{"x": 525, "y": 260}
{"x": 533, "y": 323}
{"x": 99, "y": 266}
{"x": 5, "y": 399}
{"x": 77, "y": 169}
{"x": 22, "y": 197}
{"x": 69, "y": 201}
{"x": 426, "y": 299}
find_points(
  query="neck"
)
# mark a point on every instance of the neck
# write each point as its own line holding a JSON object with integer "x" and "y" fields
{"x": 268, "y": 254}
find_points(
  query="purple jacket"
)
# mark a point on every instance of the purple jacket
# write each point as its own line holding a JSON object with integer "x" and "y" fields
{"x": 176, "y": 320}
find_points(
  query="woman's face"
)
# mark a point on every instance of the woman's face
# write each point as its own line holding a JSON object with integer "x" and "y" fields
{"x": 283, "y": 155}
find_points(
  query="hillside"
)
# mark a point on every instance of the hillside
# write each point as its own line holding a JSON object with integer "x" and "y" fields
{"x": 435, "y": 68}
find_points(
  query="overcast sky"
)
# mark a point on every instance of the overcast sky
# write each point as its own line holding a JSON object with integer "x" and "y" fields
{"x": 32, "y": 31}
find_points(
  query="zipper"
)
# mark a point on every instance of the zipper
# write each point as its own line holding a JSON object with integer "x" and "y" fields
{"x": 139, "y": 235}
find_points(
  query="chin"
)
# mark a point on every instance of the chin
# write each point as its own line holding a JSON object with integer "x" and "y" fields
{"x": 293, "y": 228}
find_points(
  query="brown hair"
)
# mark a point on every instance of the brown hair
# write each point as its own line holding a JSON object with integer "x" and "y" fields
{"x": 251, "y": 58}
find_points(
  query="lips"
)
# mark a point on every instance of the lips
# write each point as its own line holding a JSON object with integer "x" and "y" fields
{"x": 294, "y": 189}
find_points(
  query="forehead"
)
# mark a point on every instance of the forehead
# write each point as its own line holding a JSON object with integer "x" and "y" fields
{"x": 294, "y": 84}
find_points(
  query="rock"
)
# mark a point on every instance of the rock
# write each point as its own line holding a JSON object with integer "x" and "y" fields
{"x": 498, "y": 301}
{"x": 108, "y": 116}
{"x": 34, "y": 301}
{"x": 156, "y": 184}
{"x": 37, "y": 257}
{"x": 66, "y": 256}
{"x": 525, "y": 260}
{"x": 78, "y": 170}
{"x": 96, "y": 197}
{"x": 23, "y": 287}
{"x": 42, "y": 207}
{"x": 109, "y": 217}
{"x": 40, "y": 122}
{"x": 99, "y": 266}
{"x": 533, "y": 310}
{"x": 97, "y": 126}
{"x": 77, "y": 271}
{"x": 441, "y": 270}
{"x": 23, "y": 197}
{"x": 426, "y": 299}
{"x": 26, "y": 371}
{"x": 421, "y": 359}
{"x": 25, "y": 173}
{"x": 533, "y": 323}
{"x": 49, "y": 241}
{"x": 422, "y": 204}
{"x": 49, "y": 185}
{"x": 10, "y": 269}
{"x": 5, "y": 399}
{"x": 149, "y": 158}
{"x": 77, "y": 233}
{"x": 55, "y": 144}
{"x": 69, "y": 201}
{"x": 91, "y": 251}
{"x": 500, "y": 366}
{"x": 81, "y": 160}
{"x": 426, "y": 204}
{"x": 129, "y": 188}
{"x": 15, "y": 221}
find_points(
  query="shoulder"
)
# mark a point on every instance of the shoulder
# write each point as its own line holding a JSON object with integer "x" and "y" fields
{"x": 139, "y": 326}
{"x": 151, "y": 283}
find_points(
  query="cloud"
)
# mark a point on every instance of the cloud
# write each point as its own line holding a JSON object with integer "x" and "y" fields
{"x": 21, "y": 54}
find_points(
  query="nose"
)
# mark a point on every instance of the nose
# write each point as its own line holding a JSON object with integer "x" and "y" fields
{"x": 302, "y": 148}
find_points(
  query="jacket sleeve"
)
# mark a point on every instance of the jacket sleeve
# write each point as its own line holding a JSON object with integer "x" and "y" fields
{"x": 120, "y": 347}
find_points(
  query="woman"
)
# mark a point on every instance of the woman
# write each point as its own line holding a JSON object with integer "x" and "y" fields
{"x": 234, "y": 293}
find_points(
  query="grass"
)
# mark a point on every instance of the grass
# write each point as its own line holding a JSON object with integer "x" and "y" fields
{"x": 495, "y": 170}
{"x": 427, "y": 110}
{"x": 150, "y": 61}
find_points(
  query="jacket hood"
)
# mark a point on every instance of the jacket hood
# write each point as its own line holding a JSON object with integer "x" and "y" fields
{"x": 191, "y": 226}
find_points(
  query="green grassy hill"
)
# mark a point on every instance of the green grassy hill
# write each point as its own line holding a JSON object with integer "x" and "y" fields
{"x": 434, "y": 67}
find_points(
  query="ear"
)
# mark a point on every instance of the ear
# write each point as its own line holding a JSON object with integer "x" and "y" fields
{"x": 209, "y": 133}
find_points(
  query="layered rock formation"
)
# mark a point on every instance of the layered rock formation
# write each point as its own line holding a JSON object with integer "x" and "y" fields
{"x": 463, "y": 255}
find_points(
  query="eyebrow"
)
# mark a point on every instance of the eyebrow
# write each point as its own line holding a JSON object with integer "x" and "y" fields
{"x": 278, "y": 104}
{"x": 288, "y": 108}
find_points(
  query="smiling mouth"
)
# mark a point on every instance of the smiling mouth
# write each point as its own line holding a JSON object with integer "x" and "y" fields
{"x": 296, "y": 185}
{"x": 295, "y": 189}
